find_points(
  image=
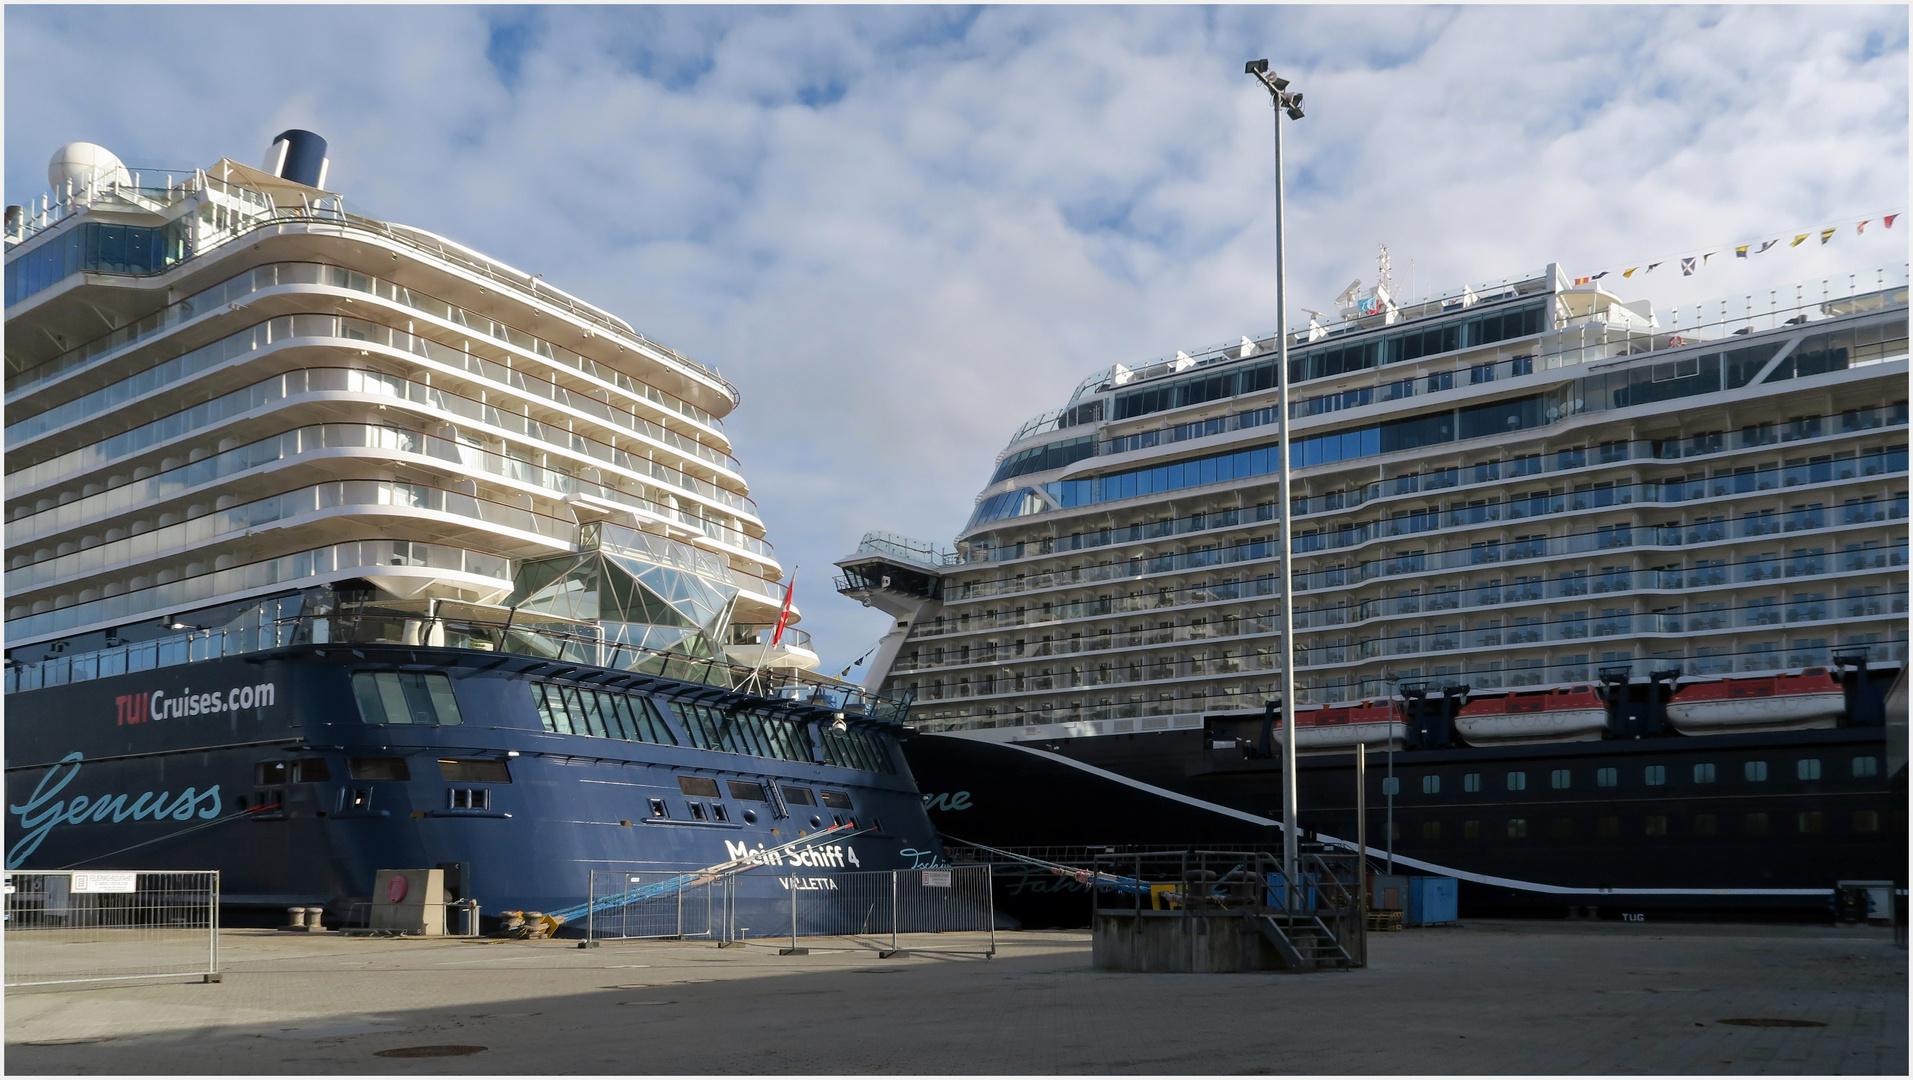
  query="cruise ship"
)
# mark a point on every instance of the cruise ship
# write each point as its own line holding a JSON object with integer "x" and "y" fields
{"x": 1612, "y": 597}
{"x": 333, "y": 545}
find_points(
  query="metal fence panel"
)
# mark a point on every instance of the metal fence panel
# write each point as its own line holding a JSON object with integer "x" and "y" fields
{"x": 874, "y": 908}
{"x": 65, "y": 926}
{"x": 627, "y": 905}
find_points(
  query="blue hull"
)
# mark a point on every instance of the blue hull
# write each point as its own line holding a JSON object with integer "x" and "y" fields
{"x": 265, "y": 769}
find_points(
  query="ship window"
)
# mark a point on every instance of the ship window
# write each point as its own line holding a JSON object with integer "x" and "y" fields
{"x": 659, "y": 810}
{"x": 1866, "y": 821}
{"x": 799, "y": 796}
{"x": 836, "y": 800}
{"x": 1756, "y": 771}
{"x": 1517, "y": 781}
{"x": 1517, "y": 828}
{"x": 1431, "y": 830}
{"x": 1866, "y": 766}
{"x": 1471, "y": 781}
{"x": 747, "y": 791}
{"x": 1561, "y": 779}
{"x": 1431, "y": 785}
{"x": 474, "y": 770}
{"x": 1563, "y": 828}
{"x": 270, "y": 772}
{"x": 310, "y": 770}
{"x": 405, "y": 697}
{"x": 697, "y": 810}
{"x": 1809, "y": 821}
{"x": 1607, "y": 777}
{"x": 379, "y": 768}
{"x": 1657, "y": 824}
{"x": 719, "y": 813}
{"x": 701, "y": 786}
{"x": 1808, "y": 768}
{"x": 1704, "y": 773}
{"x": 1471, "y": 830}
{"x": 1705, "y": 824}
{"x": 1654, "y": 775}
{"x": 1607, "y": 827}
{"x": 1755, "y": 825}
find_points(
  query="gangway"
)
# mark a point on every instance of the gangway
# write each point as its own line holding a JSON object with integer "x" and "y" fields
{"x": 1097, "y": 878}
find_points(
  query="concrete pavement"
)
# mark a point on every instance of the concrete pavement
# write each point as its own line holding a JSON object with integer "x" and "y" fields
{"x": 1487, "y": 997}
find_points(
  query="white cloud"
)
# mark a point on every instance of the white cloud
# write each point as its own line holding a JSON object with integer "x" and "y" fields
{"x": 901, "y": 231}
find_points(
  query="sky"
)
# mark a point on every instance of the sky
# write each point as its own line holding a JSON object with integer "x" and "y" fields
{"x": 902, "y": 231}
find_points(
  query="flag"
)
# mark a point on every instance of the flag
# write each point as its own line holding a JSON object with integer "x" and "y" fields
{"x": 783, "y": 617}
{"x": 1861, "y": 228}
{"x": 1801, "y": 239}
{"x": 1709, "y": 255}
{"x": 1650, "y": 268}
{"x": 1827, "y": 234}
{"x": 1600, "y": 275}
{"x": 1741, "y": 251}
{"x": 1629, "y": 272}
{"x": 1888, "y": 220}
{"x": 1580, "y": 281}
{"x": 1687, "y": 268}
{"x": 1765, "y": 244}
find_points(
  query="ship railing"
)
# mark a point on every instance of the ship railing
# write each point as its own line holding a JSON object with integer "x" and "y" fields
{"x": 1580, "y": 340}
{"x": 263, "y": 213}
{"x": 907, "y": 549}
{"x": 525, "y": 635}
{"x": 516, "y": 634}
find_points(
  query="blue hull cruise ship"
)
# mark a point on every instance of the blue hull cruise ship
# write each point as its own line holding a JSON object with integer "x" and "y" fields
{"x": 334, "y": 546}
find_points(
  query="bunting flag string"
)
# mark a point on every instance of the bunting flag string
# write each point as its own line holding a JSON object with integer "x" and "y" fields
{"x": 1694, "y": 264}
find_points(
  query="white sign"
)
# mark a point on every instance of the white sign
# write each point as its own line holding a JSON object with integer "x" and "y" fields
{"x": 936, "y": 879}
{"x": 113, "y": 882}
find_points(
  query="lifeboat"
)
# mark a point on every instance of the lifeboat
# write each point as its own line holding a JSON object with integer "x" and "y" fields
{"x": 1809, "y": 699}
{"x": 1557, "y": 714}
{"x": 1378, "y": 722}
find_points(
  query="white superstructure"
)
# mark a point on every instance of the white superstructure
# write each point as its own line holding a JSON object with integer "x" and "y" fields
{"x": 222, "y": 386}
{"x": 1521, "y": 484}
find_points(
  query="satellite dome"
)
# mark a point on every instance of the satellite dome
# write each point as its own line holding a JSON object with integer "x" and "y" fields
{"x": 83, "y": 163}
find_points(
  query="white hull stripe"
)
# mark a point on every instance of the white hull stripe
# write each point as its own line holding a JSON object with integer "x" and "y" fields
{"x": 1419, "y": 864}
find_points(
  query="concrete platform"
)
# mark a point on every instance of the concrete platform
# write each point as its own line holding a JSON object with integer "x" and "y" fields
{"x": 1485, "y": 997}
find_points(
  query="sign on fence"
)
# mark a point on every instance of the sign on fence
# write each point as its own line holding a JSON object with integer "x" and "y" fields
{"x": 936, "y": 879}
{"x": 89, "y": 926}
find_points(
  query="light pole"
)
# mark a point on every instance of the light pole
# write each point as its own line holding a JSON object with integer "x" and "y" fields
{"x": 1290, "y": 103}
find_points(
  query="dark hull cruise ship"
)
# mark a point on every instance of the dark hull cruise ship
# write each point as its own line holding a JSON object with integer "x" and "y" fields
{"x": 1614, "y": 601}
{"x": 334, "y": 546}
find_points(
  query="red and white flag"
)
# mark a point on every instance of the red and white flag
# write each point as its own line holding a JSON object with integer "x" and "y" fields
{"x": 783, "y": 617}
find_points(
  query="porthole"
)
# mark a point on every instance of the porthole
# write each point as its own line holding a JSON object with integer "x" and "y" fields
{"x": 750, "y": 817}
{"x": 816, "y": 822}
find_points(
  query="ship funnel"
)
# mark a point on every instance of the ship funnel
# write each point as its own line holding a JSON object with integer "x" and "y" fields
{"x": 298, "y": 156}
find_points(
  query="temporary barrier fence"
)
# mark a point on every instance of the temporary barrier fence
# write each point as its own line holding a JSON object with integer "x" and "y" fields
{"x": 626, "y": 905}
{"x": 71, "y": 926}
{"x": 947, "y": 909}
{"x": 943, "y": 909}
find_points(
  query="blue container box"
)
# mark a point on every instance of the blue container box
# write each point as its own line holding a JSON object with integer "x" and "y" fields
{"x": 1432, "y": 900}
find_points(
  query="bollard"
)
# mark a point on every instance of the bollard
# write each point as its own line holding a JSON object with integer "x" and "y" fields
{"x": 295, "y": 918}
{"x": 315, "y": 919}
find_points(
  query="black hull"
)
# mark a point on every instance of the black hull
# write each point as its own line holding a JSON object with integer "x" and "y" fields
{"x": 1676, "y": 846}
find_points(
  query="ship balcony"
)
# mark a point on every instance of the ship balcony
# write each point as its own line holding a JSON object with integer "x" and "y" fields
{"x": 749, "y": 645}
{"x": 218, "y": 365}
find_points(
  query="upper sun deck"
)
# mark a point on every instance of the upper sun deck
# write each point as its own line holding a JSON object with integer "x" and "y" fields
{"x": 149, "y": 224}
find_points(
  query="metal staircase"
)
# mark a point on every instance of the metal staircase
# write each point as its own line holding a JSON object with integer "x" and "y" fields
{"x": 1304, "y": 941}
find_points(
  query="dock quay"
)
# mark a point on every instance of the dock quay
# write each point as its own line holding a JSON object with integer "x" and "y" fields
{"x": 1477, "y": 997}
